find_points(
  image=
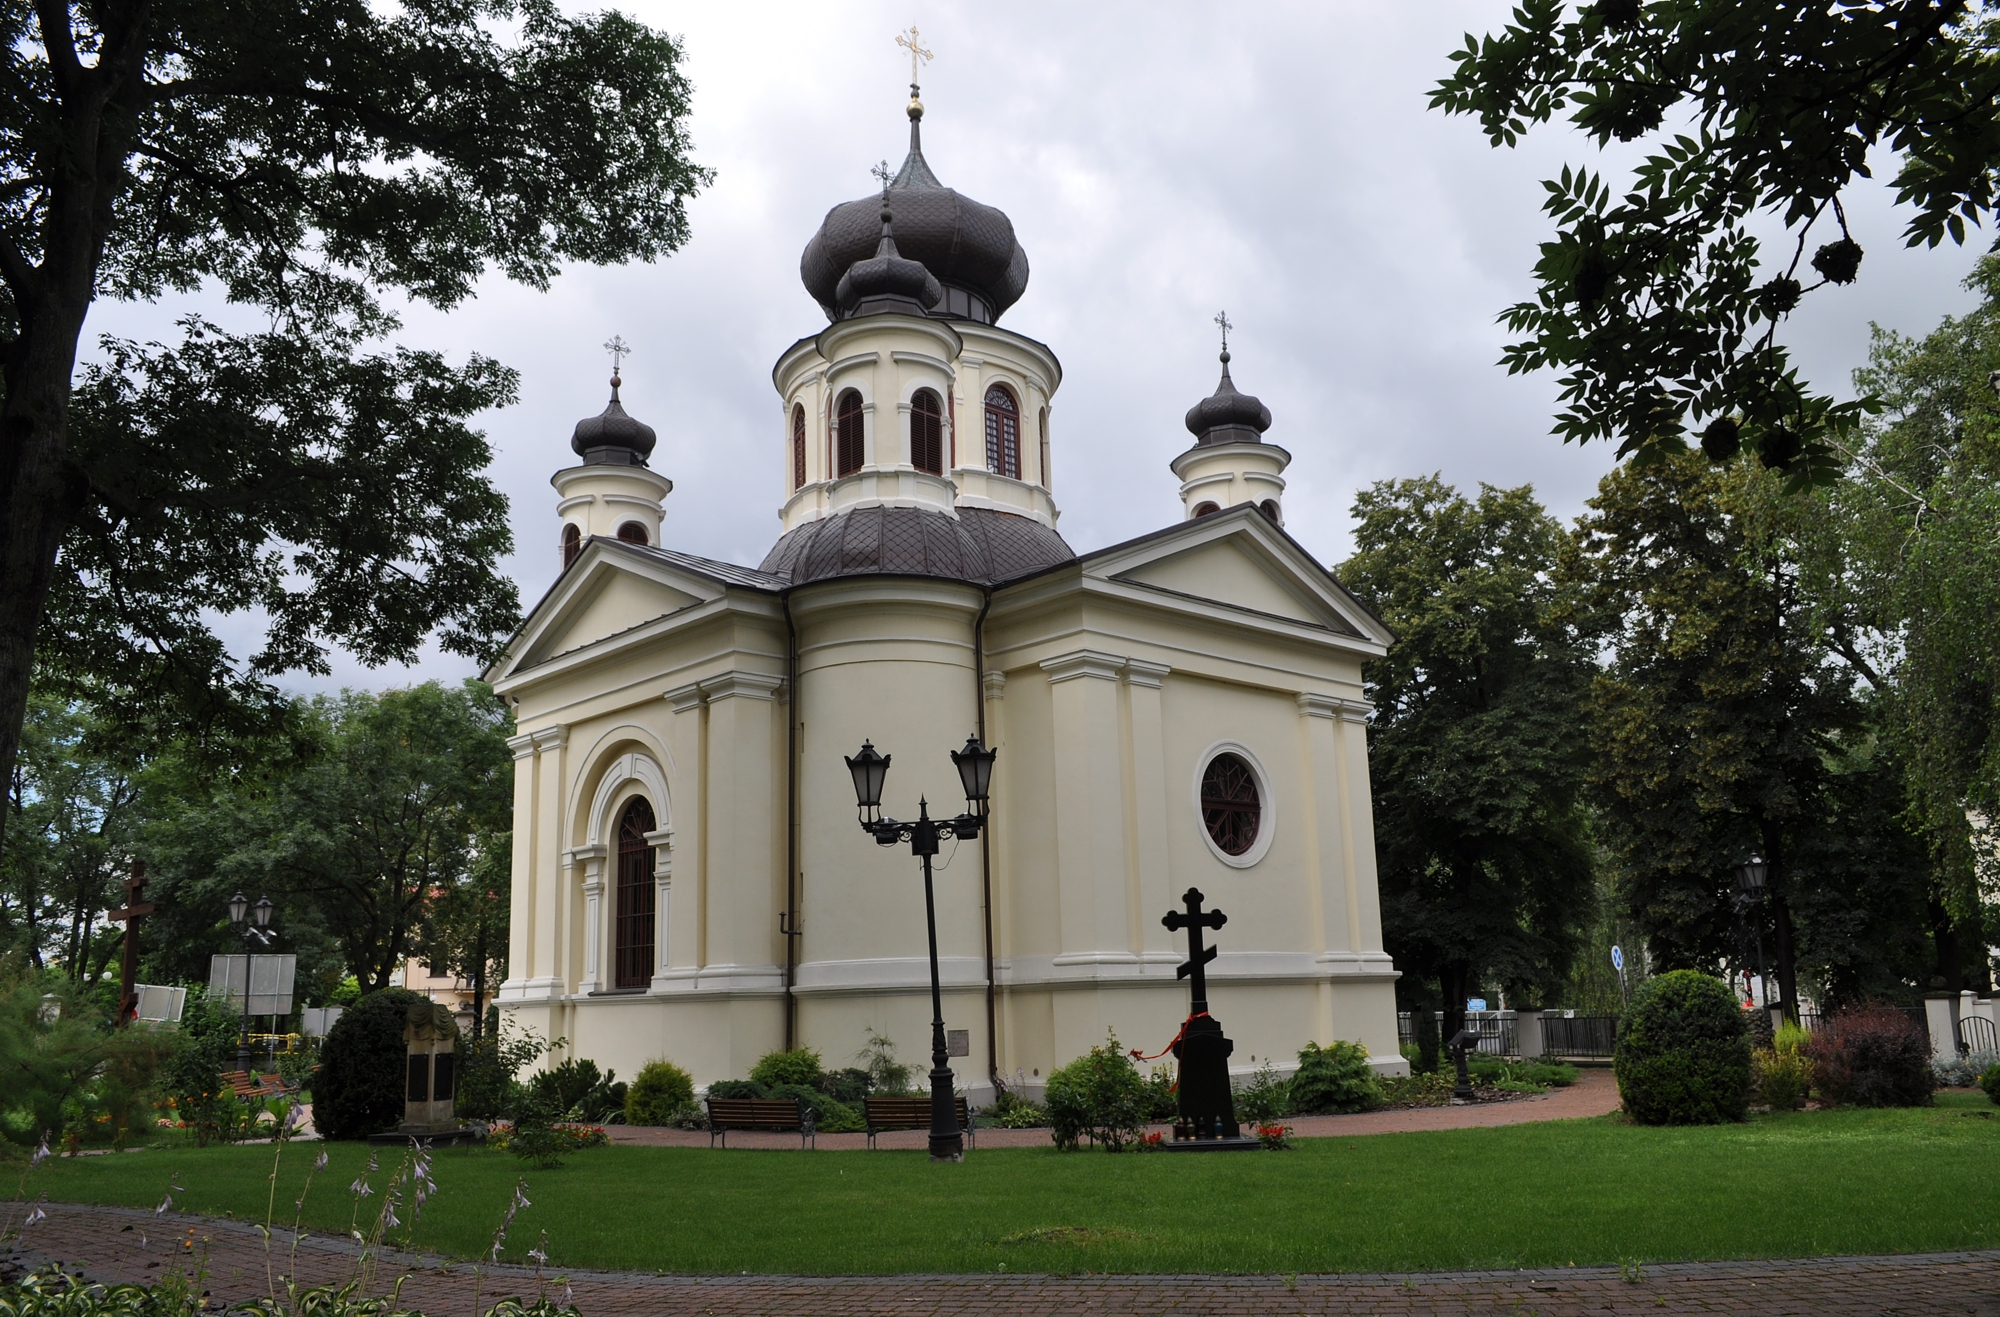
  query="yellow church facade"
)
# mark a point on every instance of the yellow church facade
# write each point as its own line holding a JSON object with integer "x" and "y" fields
{"x": 1181, "y": 710}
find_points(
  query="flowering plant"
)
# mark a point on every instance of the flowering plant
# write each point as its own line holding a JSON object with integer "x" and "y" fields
{"x": 1275, "y": 1138}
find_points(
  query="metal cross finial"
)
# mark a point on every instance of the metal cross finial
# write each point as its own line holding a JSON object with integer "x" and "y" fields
{"x": 881, "y": 171}
{"x": 910, "y": 42}
{"x": 1222, "y": 319}
{"x": 618, "y": 349}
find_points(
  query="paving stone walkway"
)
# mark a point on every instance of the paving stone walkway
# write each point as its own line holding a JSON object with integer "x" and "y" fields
{"x": 1594, "y": 1094}
{"x": 122, "y": 1244}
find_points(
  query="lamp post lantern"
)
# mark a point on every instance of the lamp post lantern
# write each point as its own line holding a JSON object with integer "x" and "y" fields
{"x": 1750, "y": 887}
{"x": 975, "y": 772}
{"x": 255, "y": 930}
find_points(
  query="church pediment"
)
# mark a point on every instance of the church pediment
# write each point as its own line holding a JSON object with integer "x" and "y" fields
{"x": 1240, "y": 561}
{"x": 609, "y": 590}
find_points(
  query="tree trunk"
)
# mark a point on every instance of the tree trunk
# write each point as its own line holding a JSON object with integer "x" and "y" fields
{"x": 479, "y": 982}
{"x": 1944, "y": 940}
{"x": 1452, "y": 981}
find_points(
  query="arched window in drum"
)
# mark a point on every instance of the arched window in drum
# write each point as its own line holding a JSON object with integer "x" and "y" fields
{"x": 927, "y": 432}
{"x": 847, "y": 440}
{"x": 1003, "y": 433}
{"x": 798, "y": 446}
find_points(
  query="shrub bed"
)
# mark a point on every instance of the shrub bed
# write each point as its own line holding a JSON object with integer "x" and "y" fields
{"x": 659, "y": 1095}
{"x": 1874, "y": 1056}
{"x": 1335, "y": 1078}
{"x": 1682, "y": 1056}
{"x": 362, "y": 1067}
{"x": 1100, "y": 1096}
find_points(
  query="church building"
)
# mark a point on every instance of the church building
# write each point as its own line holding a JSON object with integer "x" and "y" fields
{"x": 1181, "y": 710}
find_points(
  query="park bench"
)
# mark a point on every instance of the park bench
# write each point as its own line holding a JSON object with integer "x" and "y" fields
{"x": 773, "y": 1115}
{"x": 908, "y": 1113}
{"x": 254, "y": 1085}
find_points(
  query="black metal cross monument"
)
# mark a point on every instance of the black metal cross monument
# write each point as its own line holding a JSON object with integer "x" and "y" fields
{"x": 1207, "y": 1107}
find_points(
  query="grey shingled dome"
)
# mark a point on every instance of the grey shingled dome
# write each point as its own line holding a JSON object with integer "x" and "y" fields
{"x": 967, "y": 247}
{"x": 1228, "y": 417}
{"x": 612, "y": 437}
{"x": 979, "y": 546}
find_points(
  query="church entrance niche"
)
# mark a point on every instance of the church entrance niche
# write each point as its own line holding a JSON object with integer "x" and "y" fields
{"x": 632, "y": 926}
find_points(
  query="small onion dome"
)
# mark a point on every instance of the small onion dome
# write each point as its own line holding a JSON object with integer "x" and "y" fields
{"x": 886, "y": 281}
{"x": 612, "y": 437}
{"x": 1226, "y": 416}
{"x": 967, "y": 247}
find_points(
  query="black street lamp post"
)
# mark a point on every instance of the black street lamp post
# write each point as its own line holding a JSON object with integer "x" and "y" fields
{"x": 975, "y": 774}
{"x": 1750, "y": 885}
{"x": 254, "y": 930}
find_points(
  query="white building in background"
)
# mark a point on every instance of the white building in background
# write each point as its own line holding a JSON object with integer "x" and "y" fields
{"x": 1184, "y": 709}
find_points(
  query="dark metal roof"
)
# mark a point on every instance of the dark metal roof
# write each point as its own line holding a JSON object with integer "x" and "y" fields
{"x": 957, "y": 239}
{"x": 887, "y": 281}
{"x": 612, "y": 436}
{"x": 978, "y": 546}
{"x": 1226, "y": 416}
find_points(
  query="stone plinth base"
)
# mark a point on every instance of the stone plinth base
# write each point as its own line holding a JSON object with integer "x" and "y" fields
{"x": 1240, "y": 1143}
{"x": 437, "y": 1138}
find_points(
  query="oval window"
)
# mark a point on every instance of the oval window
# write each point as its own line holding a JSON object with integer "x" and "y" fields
{"x": 1230, "y": 809}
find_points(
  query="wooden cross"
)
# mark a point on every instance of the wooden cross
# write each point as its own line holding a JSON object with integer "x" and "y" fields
{"x": 130, "y": 914}
{"x": 1194, "y": 921}
{"x": 910, "y": 43}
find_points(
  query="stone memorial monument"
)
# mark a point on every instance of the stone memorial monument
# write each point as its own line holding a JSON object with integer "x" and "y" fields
{"x": 430, "y": 1038}
{"x": 1207, "y": 1120}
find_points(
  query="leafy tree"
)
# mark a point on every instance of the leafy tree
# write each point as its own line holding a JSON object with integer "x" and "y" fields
{"x": 1727, "y": 725}
{"x": 298, "y": 158}
{"x": 1655, "y": 298}
{"x": 1903, "y": 563}
{"x": 1476, "y": 749}
{"x": 464, "y": 928}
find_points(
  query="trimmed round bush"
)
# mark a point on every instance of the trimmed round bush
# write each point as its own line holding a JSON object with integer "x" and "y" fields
{"x": 798, "y": 1066}
{"x": 1990, "y": 1081}
{"x": 1683, "y": 1057}
{"x": 661, "y": 1089}
{"x": 1335, "y": 1078}
{"x": 1099, "y": 1096}
{"x": 1874, "y": 1056}
{"x": 363, "y": 1065}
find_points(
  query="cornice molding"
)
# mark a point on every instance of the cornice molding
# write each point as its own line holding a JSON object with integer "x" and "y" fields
{"x": 684, "y": 698}
{"x": 523, "y": 746}
{"x": 551, "y": 738}
{"x": 1083, "y": 663}
{"x": 748, "y": 685}
{"x": 1139, "y": 672}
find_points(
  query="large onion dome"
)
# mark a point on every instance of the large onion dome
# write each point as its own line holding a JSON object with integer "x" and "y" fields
{"x": 612, "y": 437}
{"x": 967, "y": 247}
{"x": 888, "y": 280}
{"x": 1226, "y": 416}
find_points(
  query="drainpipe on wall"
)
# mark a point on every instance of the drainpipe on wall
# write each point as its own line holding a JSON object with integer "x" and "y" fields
{"x": 788, "y": 926}
{"x": 986, "y": 841}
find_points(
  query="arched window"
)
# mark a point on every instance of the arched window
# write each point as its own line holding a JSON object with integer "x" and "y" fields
{"x": 1003, "y": 433}
{"x": 1206, "y": 509}
{"x": 1047, "y": 483}
{"x": 1230, "y": 809}
{"x": 632, "y": 532}
{"x": 1269, "y": 507}
{"x": 572, "y": 544}
{"x": 798, "y": 446}
{"x": 927, "y": 432}
{"x": 632, "y": 931}
{"x": 847, "y": 439}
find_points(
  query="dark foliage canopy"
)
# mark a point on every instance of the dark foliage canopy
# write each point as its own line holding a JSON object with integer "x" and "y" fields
{"x": 1655, "y": 299}
{"x": 303, "y": 160}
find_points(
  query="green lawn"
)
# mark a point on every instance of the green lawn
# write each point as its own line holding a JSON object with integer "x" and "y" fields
{"x": 1588, "y": 1191}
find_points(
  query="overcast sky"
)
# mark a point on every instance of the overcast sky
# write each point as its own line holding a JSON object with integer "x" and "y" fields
{"x": 1160, "y": 162}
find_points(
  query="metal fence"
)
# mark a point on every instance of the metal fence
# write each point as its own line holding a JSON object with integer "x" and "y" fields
{"x": 1812, "y": 1020}
{"x": 1579, "y": 1035}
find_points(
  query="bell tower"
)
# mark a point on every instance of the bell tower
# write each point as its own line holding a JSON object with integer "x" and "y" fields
{"x": 1230, "y": 463}
{"x": 612, "y": 493}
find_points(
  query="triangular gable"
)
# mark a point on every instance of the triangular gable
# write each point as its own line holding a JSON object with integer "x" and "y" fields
{"x": 1239, "y": 560}
{"x": 606, "y": 591}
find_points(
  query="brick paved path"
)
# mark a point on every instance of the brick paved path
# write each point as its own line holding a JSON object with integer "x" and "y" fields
{"x": 1595, "y": 1093}
{"x": 132, "y": 1245}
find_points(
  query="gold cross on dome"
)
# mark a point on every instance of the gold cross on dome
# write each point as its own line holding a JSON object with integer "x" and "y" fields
{"x": 618, "y": 349}
{"x": 1222, "y": 319}
{"x": 910, "y": 42}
